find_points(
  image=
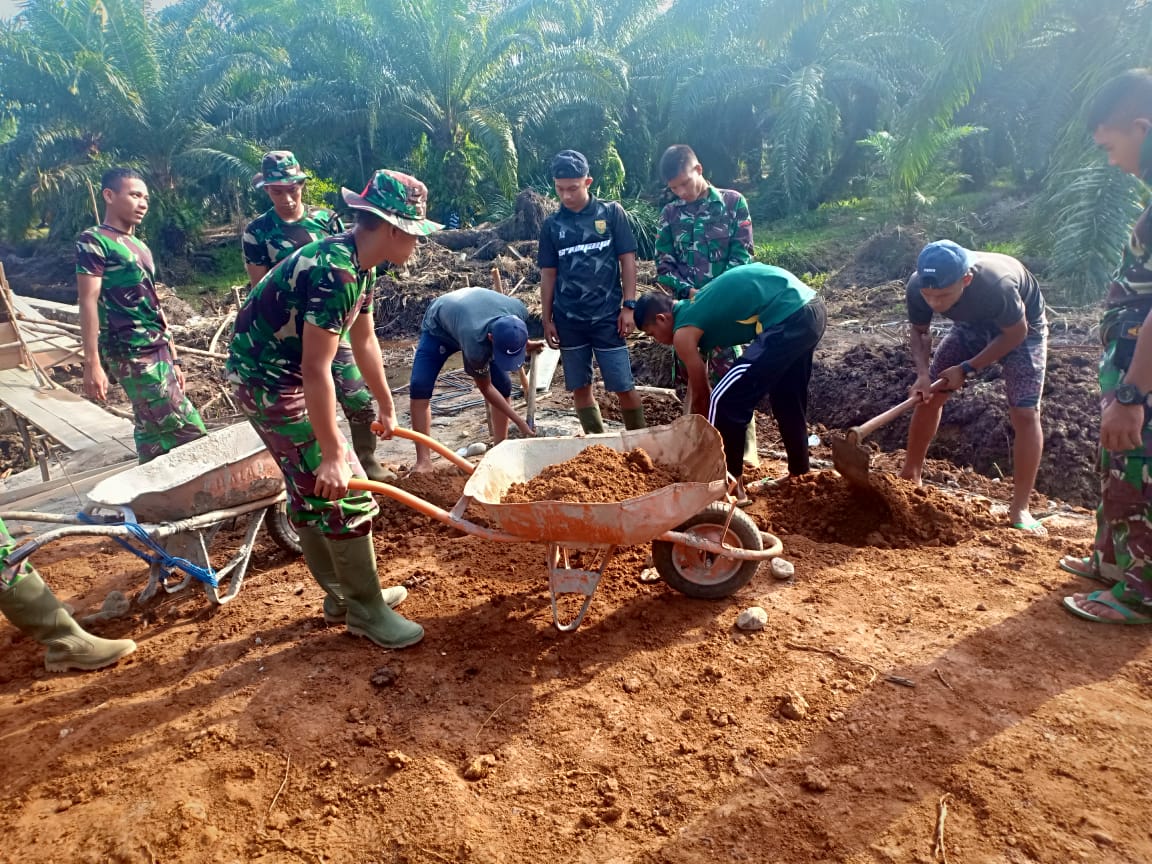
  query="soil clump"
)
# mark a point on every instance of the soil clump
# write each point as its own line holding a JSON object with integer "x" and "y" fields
{"x": 892, "y": 514}
{"x": 598, "y": 474}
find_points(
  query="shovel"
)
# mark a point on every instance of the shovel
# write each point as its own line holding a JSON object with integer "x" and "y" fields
{"x": 851, "y": 459}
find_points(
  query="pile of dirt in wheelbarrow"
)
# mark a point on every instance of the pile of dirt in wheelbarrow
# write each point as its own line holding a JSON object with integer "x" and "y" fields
{"x": 598, "y": 474}
{"x": 894, "y": 513}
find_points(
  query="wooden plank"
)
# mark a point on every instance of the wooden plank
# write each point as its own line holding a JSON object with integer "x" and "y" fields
{"x": 24, "y": 403}
{"x": 28, "y": 496}
{"x": 73, "y": 421}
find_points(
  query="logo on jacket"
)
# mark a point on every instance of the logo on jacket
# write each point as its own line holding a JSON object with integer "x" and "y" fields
{"x": 601, "y": 225}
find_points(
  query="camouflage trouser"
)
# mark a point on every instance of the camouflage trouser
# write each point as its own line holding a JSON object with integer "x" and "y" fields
{"x": 351, "y": 391}
{"x": 164, "y": 417}
{"x": 1123, "y": 545}
{"x": 281, "y": 420}
{"x": 9, "y": 576}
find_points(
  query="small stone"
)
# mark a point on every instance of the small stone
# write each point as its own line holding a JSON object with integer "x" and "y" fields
{"x": 66, "y": 804}
{"x": 754, "y": 617}
{"x": 1019, "y": 549}
{"x": 365, "y": 737}
{"x": 480, "y": 767}
{"x": 1102, "y": 838}
{"x": 384, "y": 677}
{"x": 649, "y": 738}
{"x": 611, "y": 814}
{"x": 632, "y": 685}
{"x": 835, "y": 716}
{"x": 686, "y": 715}
{"x": 782, "y": 569}
{"x": 397, "y": 759}
{"x": 980, "y": 607}
{"x": 298, "y": 589}
{"x": 794, "y": 706}
{"x": 815, "y": 780}
{"x": 329, "y": 765}
{"x": 258, "y": 641}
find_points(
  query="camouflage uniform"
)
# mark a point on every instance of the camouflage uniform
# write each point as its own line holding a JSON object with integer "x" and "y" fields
{"x": 267, "y": 241}
{"x": 698, "y": 241}
{"x": 321, "y": 284}
{"x": 1123, "y": 545}
{"x": 134, "y": 342}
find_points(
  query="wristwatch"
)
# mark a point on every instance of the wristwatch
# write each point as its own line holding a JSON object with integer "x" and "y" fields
{"x": 1129, "y": 394}
{"x": 968, "y": 369}
{"x": 629, "y": 304}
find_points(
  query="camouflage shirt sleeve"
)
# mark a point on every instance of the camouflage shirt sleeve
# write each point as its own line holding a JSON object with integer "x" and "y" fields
{"x": 741, "y": 249}
{"x": 90, "y": 255}
{"x": 332, "y": 294}
{"x": 255, "y": 249}
{"x": 669, "y": 269}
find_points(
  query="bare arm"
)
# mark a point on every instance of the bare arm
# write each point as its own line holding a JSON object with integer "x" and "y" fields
{"x": 319, "y": 349}
{"x": 496, "y": 399}
{"x": 626, "y": 322}
{"x": 87, "y": 297}
{"x": 366, "y": 350}
{"x": 686, "y": 341}
{"x": 547, "y": 293}
{"x": 1009, "y": 338}
{"x": 1122, "y": 426}
{"x": 256, "y": 272}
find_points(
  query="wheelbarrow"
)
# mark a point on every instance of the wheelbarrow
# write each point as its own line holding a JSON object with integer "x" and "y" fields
{"x": 700, "y": 546}
{"x": 174, "y": 506}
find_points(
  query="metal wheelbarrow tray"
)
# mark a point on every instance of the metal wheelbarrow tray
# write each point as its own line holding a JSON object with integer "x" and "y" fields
{"x": 180, "y": 500}
{"x": 700, "y": 547}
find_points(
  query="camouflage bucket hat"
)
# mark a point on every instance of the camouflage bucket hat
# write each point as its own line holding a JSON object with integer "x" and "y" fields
{"x": 397, "y": 198}
{"x": 279, "y": 166}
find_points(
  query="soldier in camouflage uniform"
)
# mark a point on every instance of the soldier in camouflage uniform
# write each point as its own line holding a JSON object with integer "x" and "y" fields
{"x": 1121, "y": 121}
{"x": 287, "y": 334}
{"x": 272, "y": 237}
{"x": 703, "y": 233}
{"x": 124, "y": 331}
{"x": 30, "y": 605}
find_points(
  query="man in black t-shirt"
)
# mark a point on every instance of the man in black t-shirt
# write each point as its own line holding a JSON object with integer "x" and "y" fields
{"x": 587, "y": 264}
{"x": 998, "y": 315}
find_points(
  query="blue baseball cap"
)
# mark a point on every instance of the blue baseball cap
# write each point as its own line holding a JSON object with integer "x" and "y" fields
{"x": 509, "y": 343}
{"x": 569, "y": 165}
{"x": 943, "y": 263}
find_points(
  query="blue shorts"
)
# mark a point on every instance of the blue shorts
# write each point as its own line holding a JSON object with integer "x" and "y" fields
{"x": 580, "y": 340}
{"x": 431, "y": 355}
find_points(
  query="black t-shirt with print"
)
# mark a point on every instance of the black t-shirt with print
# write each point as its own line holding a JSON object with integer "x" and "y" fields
{"x": 584, "y": 249}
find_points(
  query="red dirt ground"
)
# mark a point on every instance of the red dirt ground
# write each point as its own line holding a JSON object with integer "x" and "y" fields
{"x": 253, "y": 733}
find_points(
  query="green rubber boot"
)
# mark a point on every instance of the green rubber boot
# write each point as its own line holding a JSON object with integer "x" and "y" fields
{"x": 591, "y": 421}
{"x": 34, "y": 609}
{"x": 368, "y": 614}
{"x": 364, "y": 446}
{"x": 318, "y": 556}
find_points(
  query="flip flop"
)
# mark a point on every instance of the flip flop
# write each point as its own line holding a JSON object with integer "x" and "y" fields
{"x": 1081, "y": 566}
{"x": 1128, "y": 615}
{"x": 1033, "y": 526}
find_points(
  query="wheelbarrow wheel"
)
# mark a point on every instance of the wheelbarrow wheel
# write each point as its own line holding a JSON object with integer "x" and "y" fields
{"x": 283, "y": 532}
{"x": 701, "y": 574}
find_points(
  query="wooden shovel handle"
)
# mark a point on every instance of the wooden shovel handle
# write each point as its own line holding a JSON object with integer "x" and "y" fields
{"x": 880, "y": 420}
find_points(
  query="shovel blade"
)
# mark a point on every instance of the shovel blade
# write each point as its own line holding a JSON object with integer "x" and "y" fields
{"x": 850, "y": 459}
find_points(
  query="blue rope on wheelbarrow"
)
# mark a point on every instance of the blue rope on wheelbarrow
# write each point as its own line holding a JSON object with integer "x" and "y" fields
{"x": 168, "y": 562}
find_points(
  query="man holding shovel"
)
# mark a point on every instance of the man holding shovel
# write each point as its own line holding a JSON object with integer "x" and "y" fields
{"x": 998, "y": 315}
{"x": 779, "y": 320}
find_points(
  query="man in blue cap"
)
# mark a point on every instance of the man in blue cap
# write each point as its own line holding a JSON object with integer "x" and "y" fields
{"x": 997, "y": 312}
{"x": 490, "y": 329}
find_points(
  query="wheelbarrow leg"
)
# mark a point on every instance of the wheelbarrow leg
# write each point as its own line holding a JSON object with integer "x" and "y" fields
{"x": 564, "y": 579}
{"x": 238, "y": 566}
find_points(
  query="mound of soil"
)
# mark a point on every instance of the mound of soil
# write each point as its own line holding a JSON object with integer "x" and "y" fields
{"x": 893, "y": 514}
{"x": 598, "y": 474}
{"x": 849, "y": 388}
{"x": 887, "y": 256}
{"x": 658, "y": 409}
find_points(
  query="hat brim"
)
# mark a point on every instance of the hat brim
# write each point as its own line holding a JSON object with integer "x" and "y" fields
{"x": 509, "y": 362}
{"x": 260, "y": 182}
{"x": 419, "y": 227}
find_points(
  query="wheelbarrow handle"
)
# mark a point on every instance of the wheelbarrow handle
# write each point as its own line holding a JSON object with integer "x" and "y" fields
{"x": 865, "y": 429}
{"x": 432, "y": 444}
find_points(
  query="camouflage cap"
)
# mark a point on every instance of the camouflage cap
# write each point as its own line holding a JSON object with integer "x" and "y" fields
{"x": 397, "y": 198}
{"x": 278, "y": 166}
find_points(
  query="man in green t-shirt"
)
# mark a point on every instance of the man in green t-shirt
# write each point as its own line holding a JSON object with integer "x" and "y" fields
{"x": 273, "y": 236}
{"x": 123, "y": 329}
{"x": 779, "y": 319}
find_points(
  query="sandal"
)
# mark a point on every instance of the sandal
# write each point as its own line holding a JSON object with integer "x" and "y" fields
{"x": 1127, "y": 615}
{"x": 1031, "y": 526}
{"x": 1084, "y": 567}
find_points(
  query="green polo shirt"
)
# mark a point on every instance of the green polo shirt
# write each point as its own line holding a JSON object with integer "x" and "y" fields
{"x": 739, "y": 304}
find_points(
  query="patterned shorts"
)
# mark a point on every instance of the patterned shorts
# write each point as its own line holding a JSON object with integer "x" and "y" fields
{"x": 1023, "y": 366}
